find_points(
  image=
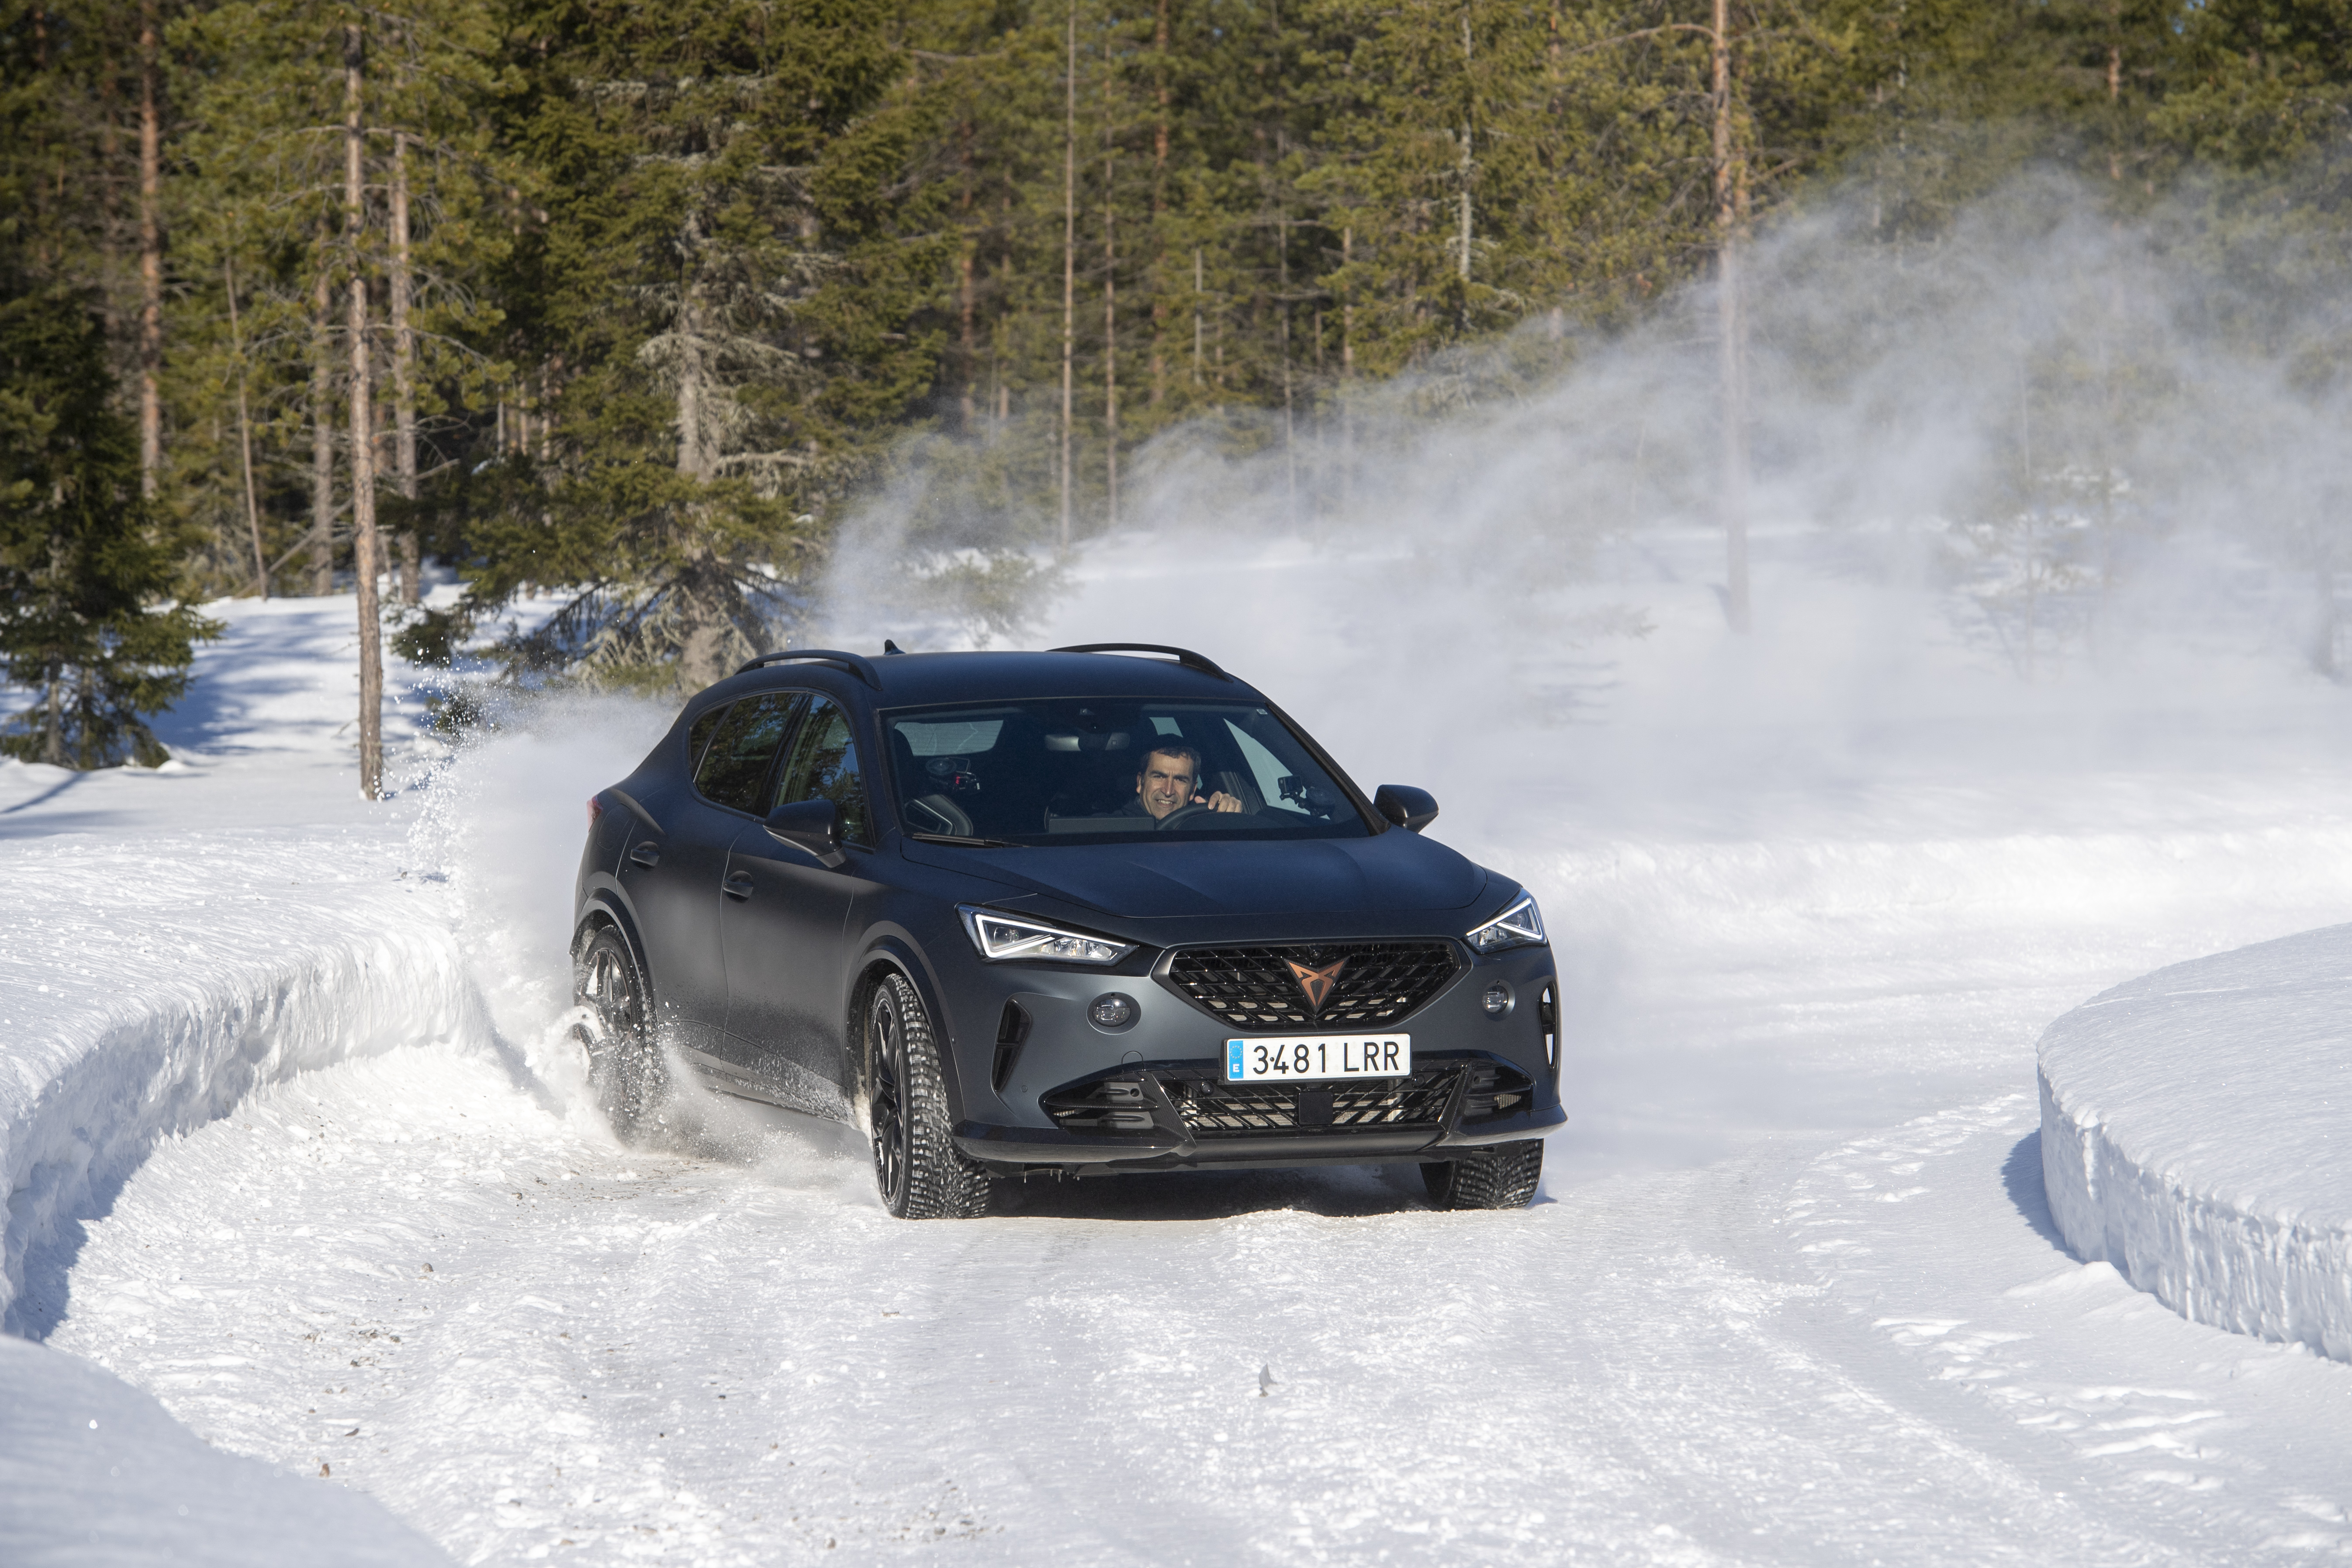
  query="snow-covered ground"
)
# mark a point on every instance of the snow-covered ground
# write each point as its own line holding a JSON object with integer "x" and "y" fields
{"x": 1792, "y": 1293}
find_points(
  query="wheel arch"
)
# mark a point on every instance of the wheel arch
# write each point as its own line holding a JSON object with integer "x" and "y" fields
{"x": 893, "y": 953}
{"x": 599, "y": 912}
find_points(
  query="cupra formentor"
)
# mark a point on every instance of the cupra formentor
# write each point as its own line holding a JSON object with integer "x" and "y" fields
{"x": 1100, "y": 909}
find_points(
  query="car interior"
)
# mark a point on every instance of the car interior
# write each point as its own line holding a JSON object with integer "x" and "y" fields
{"x": 1067, "y": 768}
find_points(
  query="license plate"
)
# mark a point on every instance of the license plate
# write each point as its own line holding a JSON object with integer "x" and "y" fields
{"x": 1314, "y": 1057}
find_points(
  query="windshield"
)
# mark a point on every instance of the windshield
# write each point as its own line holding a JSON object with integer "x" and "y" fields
{"x": 1081, "y": 770}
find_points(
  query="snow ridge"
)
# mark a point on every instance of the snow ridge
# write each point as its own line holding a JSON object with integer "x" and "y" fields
{"x": 147, "y": 989}
{"x": 2194, "y": 1128}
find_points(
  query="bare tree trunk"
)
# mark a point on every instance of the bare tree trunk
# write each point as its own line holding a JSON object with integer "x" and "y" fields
{"x": 404, "y": 370}
{"x": 1196, "y": 315}
{"x": 1730, "y": 191}
{"x": 1159, "y": 204}
{"x": 1348, "y": 374}
{"x": 362, "y": 423}
{"x": 244, "y": 432}
{"x": 692, "y": 460}
{"x": 151, "y": 252}
{"x": 322, "y": 428}
{"x": 1468, "y": 106}
{"x": 1110, "y": 315}
{"x": 2115, "y": 102}
{"x": 1289, "y": 414}
{"x": 967, "y": 290}
{"x": 1069, "y": 255}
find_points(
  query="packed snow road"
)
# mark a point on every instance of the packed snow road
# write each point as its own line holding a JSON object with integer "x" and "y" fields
{"x": 1791, "y": 1294}
{"x": 441, "y": 1284}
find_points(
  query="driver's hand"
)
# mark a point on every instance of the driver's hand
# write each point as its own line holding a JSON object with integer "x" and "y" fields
{"x": 1221, "y": 801}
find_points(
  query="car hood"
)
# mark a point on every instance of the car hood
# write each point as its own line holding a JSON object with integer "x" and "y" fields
{"x": 1392, "y": 871}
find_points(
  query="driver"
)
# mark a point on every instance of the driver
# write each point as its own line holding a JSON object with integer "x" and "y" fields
{"x": 1166, "y": 785}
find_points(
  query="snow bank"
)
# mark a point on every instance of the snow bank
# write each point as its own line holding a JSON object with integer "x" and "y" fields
{"x": 146, "y": 986}
{"x": 2195, "y": 1128}
{"x": 96, "y": 1474}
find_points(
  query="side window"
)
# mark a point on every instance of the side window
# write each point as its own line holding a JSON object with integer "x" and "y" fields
{"x": 823, "y": 766}
{"x": 699, "y": 736}
{"x": 741, "y": 745}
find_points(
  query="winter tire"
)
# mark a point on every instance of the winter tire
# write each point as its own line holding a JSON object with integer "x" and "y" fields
{"x": 624, "y": 1060}
{"x": 1502, "y": 1177}
{"x": 921, "y": 1171}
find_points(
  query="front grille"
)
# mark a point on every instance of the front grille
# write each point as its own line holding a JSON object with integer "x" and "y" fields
{"x": 1213, "y": 1109}
{"x": 1256, "y": 988}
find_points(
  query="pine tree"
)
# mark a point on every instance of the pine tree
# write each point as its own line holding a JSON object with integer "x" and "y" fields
{"x": 85, "y": 621}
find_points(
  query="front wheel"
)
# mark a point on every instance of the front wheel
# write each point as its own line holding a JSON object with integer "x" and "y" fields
{"x": 626, "y": 1068}
{"x": 1502, "y": 1177}
{"x": 921, "y": 1171}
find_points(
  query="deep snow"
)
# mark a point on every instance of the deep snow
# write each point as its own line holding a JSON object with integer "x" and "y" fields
{"x": 1791, "y": 1294}
{"x": 2195, "y": 1124}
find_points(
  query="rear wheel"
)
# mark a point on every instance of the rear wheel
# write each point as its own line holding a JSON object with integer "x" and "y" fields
{"x": 921, "y": 1171}
{"x": 1502, "y": 1177}
{"x": 624, "y": 1061}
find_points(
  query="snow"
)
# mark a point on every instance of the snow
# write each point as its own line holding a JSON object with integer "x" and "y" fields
{"x": 95, "y": 1474}
{"x": 315, "y": 1177}
{"x": 2194, "y": 1128}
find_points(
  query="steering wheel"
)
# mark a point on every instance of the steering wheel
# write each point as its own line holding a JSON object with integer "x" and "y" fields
{"x": 1185, "y": 813}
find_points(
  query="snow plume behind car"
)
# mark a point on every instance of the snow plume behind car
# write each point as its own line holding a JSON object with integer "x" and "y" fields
{"x": 500, "y": 819}
{"x": 2045, "y": 449}
{"x": 2042, "y": 538}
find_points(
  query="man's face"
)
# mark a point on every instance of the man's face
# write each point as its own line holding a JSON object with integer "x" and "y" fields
{"x": 1165, "y": 783}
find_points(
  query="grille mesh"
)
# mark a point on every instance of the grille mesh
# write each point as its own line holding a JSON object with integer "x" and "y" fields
{"x": 1254, "y": 987}
{"x": 1230, "y": 1110}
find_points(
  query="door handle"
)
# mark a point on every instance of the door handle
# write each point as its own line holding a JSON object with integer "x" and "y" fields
{"x": 738, "y": 885}
{"x": 646, "y": 853}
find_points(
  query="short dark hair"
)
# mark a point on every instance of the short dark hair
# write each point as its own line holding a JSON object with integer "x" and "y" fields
{"x": 1167, "y": 746}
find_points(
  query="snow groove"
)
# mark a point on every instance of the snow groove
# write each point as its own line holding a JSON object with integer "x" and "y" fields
{"x": 2194, "y": 1129}
{"x": 147, "y": 988}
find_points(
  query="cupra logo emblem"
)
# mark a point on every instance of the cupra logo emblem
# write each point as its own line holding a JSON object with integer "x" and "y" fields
{"x": 1317, "y": 983}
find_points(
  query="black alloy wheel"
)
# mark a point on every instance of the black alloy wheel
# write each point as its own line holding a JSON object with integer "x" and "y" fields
{"x": 1502, "y": 1177}
{"x": 625, "y": 1069}
{"x": 921, "y": 1171}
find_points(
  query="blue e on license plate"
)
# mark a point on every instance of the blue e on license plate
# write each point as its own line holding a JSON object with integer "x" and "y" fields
{"x": 1318, "y": 1056}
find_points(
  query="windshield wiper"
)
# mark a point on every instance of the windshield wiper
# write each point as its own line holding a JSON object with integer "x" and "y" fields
{"x": 967, "y": 843}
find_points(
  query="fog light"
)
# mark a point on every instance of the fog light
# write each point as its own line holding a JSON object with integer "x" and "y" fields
{"x": 1112, "y": 1012}
{"x": 1498, "y": 1000}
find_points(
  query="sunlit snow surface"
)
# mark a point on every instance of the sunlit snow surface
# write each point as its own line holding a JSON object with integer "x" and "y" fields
{"x": 1792, "y": 1293}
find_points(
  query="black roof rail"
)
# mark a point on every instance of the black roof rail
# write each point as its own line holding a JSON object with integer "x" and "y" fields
{"x": 857, "y": 664}
{"x": 1183, "y": 655}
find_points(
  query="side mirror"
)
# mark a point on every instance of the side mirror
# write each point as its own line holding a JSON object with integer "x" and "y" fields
{"x": 811, "y": 825}
{"x": 1410, "y": 808}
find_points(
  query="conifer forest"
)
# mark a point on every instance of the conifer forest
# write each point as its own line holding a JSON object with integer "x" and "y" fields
{"x": 634, "y": 302}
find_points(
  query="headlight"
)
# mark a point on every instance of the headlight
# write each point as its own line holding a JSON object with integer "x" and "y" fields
{"x": 1521, "y": 925}
{"x": 1000, "y": 937}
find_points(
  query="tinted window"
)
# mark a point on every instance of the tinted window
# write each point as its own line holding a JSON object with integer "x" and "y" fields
{"x": 699, "y": 736}
{"x": 1074, "y": 769}
{"x": 823, "y": 766}
{"x": 741, "y": 745}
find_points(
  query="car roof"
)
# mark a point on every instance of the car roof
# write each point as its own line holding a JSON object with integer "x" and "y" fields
{"x": 922, "y": 679}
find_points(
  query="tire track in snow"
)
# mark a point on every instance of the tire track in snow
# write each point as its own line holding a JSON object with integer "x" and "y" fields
{"x": 1936, "y": 1235}
{"x": 620, "y": 1355}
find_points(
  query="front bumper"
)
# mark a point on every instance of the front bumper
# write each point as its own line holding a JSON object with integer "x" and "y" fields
{"x": 1190, "y": 1121}
{"x": 1151, "y": 1097}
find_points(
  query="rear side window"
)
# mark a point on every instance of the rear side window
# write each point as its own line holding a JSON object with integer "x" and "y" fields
{"x": 741, "y": 745}
{"x": 699, "y": 736}
{"x": 823, "y": 766}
